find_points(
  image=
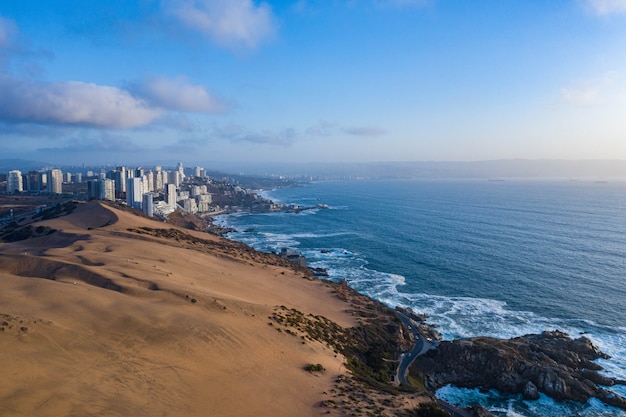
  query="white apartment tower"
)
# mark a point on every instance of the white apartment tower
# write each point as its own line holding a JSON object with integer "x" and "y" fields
{"x": 14, "y": 182}
{"x": 55, "y": 181}
{"x": 107, "y": 189}
{"x": 158, "y": 179}
{"x": 134, "y": 192}
{"x": 170, "y": 195}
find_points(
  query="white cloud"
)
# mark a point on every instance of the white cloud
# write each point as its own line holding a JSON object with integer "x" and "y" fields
{"x": 178, "y": 94}
{"x": 227, "y": 22}
{"x": 72, "y": 103}
{"x": 607, "y": 7}
{"x": 587, "y": 92}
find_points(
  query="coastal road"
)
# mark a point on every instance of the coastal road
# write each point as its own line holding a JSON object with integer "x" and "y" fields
{"x": 421, "y": 346}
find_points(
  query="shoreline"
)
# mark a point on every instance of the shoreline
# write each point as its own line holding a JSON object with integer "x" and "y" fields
{"x": 547, "y": 327}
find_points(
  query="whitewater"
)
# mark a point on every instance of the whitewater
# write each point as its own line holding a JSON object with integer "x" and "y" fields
{"x": 492, "y": 258}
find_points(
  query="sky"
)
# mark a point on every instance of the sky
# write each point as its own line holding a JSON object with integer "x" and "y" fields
{"x": 122, "y": 81}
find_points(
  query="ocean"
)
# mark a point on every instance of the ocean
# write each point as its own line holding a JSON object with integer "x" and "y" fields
{"x": 493, "y": 258}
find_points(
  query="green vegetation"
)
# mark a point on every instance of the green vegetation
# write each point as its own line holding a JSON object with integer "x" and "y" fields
{"x": 58, "y": 210}
{"x": 14, "y": 233}
{"x": 315, "y": 368}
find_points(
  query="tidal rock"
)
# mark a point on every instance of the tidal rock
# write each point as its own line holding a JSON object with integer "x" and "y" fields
{"x": 550, "y": 363}
{"x": 530, "y": 391}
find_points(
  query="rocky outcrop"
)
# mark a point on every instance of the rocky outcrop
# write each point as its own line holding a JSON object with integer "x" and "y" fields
{"x": 551, "y": 363}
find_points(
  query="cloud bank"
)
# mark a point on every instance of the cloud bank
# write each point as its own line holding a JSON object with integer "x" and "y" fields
{"x": 179, "y": 94}
{"x": 72, "y": 103}
{"x": 228, "y": 23}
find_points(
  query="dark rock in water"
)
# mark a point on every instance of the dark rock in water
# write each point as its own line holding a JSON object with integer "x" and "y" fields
{"x": 319, "y": 272}
{"x": 480, "y": 411}
{"x": 530, "y": 391}
{"x": 551, "y": 363}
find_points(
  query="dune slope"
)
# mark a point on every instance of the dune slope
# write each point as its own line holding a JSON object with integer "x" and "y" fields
{"x": 104, "y": 317}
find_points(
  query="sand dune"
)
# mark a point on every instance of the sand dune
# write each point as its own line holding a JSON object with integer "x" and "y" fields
{"x": 98, "y": 320}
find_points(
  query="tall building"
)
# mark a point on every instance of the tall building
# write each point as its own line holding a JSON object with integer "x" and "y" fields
{"x": 170, "y": 195}
{"x": 107, "y": 189}
{"x": 55, "y": 181}
{"x": 175, "y": 178}
{"x": 149, "y": 181}
{"x": 93, "y": 189}
{"x": 181, "y": 170}
{"x": 119, "y": 176}
{"x": 33, "y": 181}
{"x": 134, "y": 192}
{"x": 198, "y": 171}
{"x": 158, "y": 179}
{"x": 43, "y": 181}
{"x": 148, "y": 205}
{"x": 14, "y": 182}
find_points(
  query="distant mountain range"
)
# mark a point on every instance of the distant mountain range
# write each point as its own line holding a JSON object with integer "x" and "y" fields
{"x": 496, "y": 169}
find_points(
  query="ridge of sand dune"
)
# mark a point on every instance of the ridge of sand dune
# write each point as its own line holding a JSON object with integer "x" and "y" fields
{"x": 98, "y": 320}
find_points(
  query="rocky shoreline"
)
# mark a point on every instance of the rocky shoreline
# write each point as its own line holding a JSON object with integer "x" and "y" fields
{"x": 551, "y": 363}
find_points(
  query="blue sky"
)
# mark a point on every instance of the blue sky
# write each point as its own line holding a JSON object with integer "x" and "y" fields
{"x": 312, "y": 81}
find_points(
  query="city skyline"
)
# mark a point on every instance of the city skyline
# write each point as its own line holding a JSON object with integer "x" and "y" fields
{"x": 311, "y": 81}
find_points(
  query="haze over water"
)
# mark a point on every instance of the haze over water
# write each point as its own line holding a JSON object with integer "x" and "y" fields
{"x": 495, "y": 258}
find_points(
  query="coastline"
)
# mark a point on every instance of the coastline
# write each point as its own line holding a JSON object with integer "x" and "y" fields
{"x": 362, "y": 346}
{"x": 545, "y": 326}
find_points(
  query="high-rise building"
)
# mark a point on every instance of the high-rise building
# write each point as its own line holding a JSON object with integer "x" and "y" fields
{"x": 150, "y": 181}
{"x": 158, "y": 179}
{"x": 107, "y": 189}
{"x": 148, "y": 205}
{"x": 14, "y": 182}
{"x": 198, "y": 171}
{"x": 170, "y": 195}
{"x": 55, "y": 181}
{"x": 119, "y": 176}
{"x": 93, "y": 189}
{"x": 175, "y": 178}
{"x": 67, "y": 177}
{"x": 43, "y": 181}
{"x": 134, "y": 192}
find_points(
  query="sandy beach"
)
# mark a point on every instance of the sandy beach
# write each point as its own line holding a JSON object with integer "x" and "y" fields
{"x": 100, "y": 320}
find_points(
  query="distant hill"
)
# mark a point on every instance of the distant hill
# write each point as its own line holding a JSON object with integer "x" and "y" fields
{"x": 506, "y": 168}
{"x": 23, "y": 165}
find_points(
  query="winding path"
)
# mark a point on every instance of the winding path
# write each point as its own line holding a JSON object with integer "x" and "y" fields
{"x": 421, "y": 346}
